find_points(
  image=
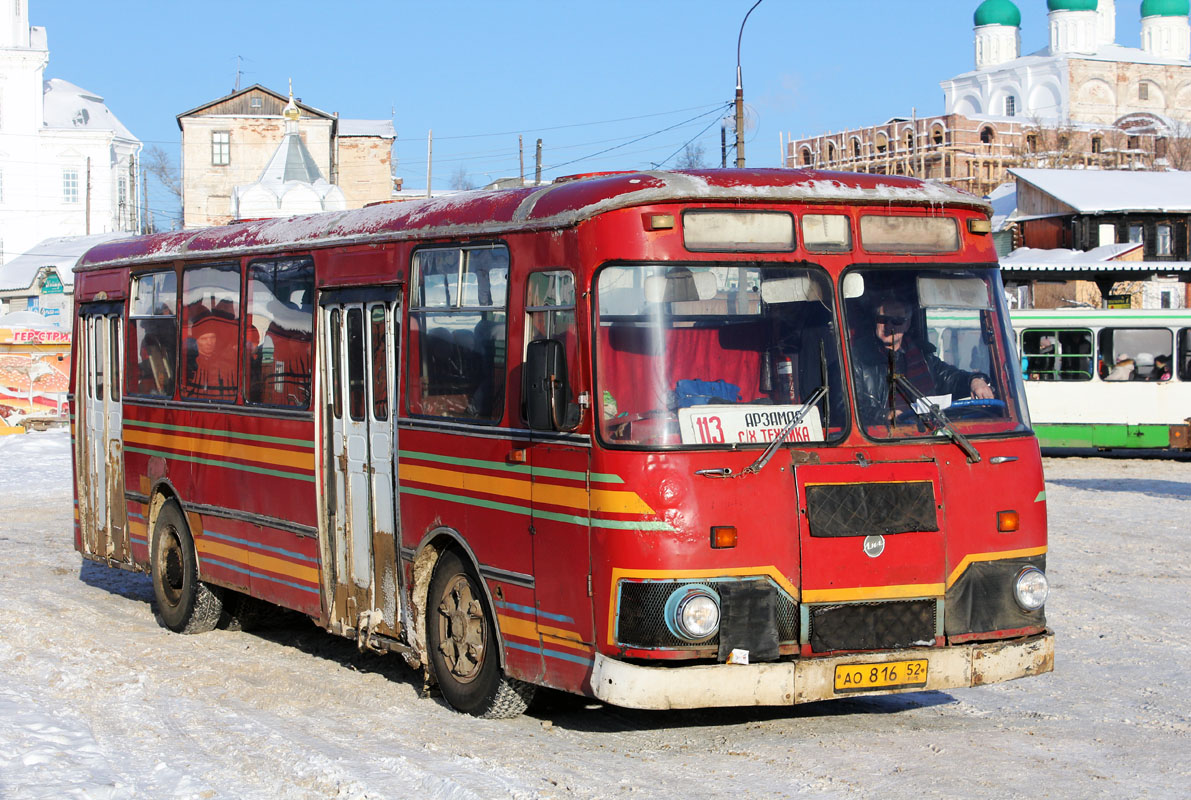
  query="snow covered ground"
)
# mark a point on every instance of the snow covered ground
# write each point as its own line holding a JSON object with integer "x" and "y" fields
{"x": 99, "y": 701}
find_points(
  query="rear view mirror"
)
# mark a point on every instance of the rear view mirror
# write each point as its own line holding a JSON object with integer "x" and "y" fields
{"x": 545, "y": 389}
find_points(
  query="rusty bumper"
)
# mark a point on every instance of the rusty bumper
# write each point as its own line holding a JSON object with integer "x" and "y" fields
{"x": 810, "y": 679}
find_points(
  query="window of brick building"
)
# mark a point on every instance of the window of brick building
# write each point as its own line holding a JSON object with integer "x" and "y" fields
{"x": 221, "y": 148}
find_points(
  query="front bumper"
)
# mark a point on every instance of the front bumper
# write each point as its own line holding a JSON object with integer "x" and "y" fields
{"x": 810, "y": 679}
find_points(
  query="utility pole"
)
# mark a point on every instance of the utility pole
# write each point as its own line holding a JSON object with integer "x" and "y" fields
{"x": 146, "y": 212}
{"x": 723, "y": 143}
{"x": 521, "y": 156}
{"x": 130, "y": 198}
{"x": 537, "y": 172}
{"x": 740, "y": 93}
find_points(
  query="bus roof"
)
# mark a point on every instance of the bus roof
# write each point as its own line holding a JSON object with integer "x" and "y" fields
{"x": 565, "y": 203}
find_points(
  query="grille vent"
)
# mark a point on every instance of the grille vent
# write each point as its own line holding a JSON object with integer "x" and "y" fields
{"x": 861, "y": 509}
{"x": 872, "y": 626}
{"x": 640, "y": 621}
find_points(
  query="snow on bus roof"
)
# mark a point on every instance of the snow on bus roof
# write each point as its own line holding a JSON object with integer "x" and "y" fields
{"x": 564, "y": 203}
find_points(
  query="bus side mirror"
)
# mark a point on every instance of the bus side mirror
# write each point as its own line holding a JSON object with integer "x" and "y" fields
{"x": 545, "y": 389}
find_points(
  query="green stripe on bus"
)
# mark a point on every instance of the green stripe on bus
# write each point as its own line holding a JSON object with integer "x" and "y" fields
{"x": 1041, "y": 498}
{"x": 573, "y": 519}
{"x": 520, "y": 469}
{"x": 1103, "y": 435}
{"x": 250, "y": 437}
{"x": 211, "y": 462}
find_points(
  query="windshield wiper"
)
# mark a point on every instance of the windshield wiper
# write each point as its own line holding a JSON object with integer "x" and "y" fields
{"x": 936, "y": 414}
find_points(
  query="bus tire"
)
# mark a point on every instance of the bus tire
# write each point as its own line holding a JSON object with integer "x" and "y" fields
{"x": 461, "y": 639}
{"x": 186, "y": 604}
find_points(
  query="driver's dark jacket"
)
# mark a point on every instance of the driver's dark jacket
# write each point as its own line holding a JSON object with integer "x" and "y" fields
{"x": 918, "y": 362}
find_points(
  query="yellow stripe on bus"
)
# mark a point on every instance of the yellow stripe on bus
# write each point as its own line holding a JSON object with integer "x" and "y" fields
{"x": 528, "y": 629}
{"x": 872, "y": 593}
{"x": 247, "y": 557}
{"x": 998, "y": 556}
{"x": 225, "y": 449}
{"x": 603, "y": 500}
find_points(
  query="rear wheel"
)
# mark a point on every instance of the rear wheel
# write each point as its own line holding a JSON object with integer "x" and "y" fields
{"x": 464, "y": 654}
{"x": 186, "y": 604}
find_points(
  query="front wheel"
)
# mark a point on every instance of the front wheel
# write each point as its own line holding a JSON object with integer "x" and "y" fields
{"x": 186, "y": 604}
{"x": 461, "y": 639}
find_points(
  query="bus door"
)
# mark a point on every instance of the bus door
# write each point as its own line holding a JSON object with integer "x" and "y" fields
{"x": 361, "y": 331}
{"x": 561, "y": 498}
{"x": 104, "y": 521}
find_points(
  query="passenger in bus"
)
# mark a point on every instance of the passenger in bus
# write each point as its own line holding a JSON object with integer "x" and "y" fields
{"x": 891, "y": 348}
{"x": 1161, "y": 370}
{"x": 1122, "y": 370}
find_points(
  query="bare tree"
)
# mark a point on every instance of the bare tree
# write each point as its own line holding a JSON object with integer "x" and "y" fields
{"x": 157, "y": 163}
{"x": 691, "y": 157}
{"x": 460, "y": 179}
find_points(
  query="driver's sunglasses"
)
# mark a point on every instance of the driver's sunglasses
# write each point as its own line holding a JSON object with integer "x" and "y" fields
{"x": 896, "y": 322}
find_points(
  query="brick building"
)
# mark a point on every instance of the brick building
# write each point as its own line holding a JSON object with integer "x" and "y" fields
{"x": 230, "y": 142}
{"x": 1084, "y": 101}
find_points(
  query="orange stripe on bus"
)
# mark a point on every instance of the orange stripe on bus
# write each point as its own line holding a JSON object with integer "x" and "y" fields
{"x": 216, "y": 447}
{"x": 602, "y": 500}
{"x": 249, "y": 558}
{"x": 998, "y": 556}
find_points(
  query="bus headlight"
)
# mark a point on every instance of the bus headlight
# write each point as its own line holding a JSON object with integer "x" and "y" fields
{"x": 693, "y": 612}
{"x": 1030, "y": 589}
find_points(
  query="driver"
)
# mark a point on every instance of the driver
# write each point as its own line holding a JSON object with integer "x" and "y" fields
{"x": 917, "y": 362}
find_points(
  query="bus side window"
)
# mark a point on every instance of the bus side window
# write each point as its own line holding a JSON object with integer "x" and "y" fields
{"x": 1075, "y": 362}
{"x": 152, "y": 358}
{"x": 1185, "y": 354}
{"x": 211, "y": 332}
{"x": 550, "y": 314}
{"x": 1038, "y": 355}
{"x": 279, "y": 341}
{"x": 458, "y": 319}
{"x": 1130, "y": 354}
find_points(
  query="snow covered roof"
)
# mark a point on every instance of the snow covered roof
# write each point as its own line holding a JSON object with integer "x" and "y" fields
{"x": 70, "y": 107}
{"x": 1098, "y": 259}
{"x": 564, "y": 203}
{"x": 367, "y": 127}
{"x": 1090, "y": 191}
{"x": 1004, "y": 204}
{"x": 61, "y": 253}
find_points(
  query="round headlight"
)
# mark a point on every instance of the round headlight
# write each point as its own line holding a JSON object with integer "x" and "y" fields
{"x": 693, "y": 612}
{"x": 1030, "y": 589}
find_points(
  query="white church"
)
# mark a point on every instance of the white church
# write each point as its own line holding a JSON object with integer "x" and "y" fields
{"x": 1083, "y": 75}
{"x": 68, "y": 166}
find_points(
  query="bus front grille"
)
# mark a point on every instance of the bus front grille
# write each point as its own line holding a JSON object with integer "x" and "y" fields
{"x": 872, "y": 626}
{"x": 641, "y": 623}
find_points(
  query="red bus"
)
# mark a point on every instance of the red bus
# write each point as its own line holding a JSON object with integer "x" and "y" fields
{"x": 664, "y": 439}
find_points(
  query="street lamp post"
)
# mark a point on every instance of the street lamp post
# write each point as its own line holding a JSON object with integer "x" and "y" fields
{"x": 740, "y": 93}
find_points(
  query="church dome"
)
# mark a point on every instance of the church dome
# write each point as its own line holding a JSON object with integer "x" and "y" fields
{"x": 1165, "y": 8}
{"x": 997, "y": 12}
{"x": 1070, "y": 5}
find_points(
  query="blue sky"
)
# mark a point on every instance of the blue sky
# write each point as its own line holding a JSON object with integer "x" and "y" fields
{"x": 586, "y": 77}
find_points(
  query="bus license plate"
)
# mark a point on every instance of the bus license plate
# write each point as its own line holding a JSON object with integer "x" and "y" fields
{"x": 884, "y": 675}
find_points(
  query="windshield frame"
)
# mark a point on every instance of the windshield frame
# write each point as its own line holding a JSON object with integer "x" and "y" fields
{"x": 1011, "y": 362}
{"x": 830, "y": 301}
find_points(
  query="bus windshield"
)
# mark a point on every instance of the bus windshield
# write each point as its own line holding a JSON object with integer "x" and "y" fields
{"x": 923, "y": 337}
{"x": 716, "y": 355}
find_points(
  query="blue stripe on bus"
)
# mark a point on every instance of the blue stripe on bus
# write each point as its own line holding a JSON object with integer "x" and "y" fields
{"x": 236, "y": 568}
{"x": 530, "y": 610}
{"x": 549, "y": 653}
{"x": 248, "y": 543}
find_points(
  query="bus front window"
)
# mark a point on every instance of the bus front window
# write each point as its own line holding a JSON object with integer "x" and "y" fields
{"x": 923, "y": 337}
{"x": 721, "y": 355}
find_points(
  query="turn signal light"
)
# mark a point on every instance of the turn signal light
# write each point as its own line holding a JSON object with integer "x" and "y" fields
{"x": 659, "y": 222}
{"x": 1007, "y": 521}
{"x": 723, "y": 536}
